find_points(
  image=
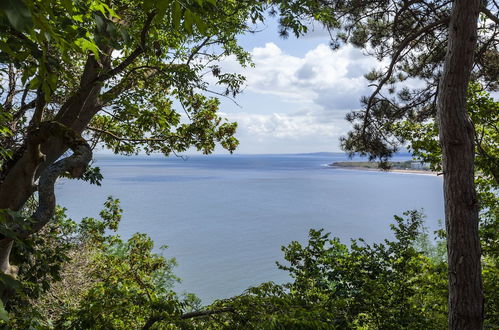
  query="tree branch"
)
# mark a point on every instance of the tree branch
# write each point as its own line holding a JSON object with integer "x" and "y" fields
{"x": 401, "y": 47}
{"x": 12, "y": 88}
{"x": 74, "y": 164}
{"x": 123, "y": 139}
{"x": 205, "y": 313}
{"x": 489, "y": 14}
{"x": 133, "y": 56}
{"x": 39, "y": 107}
{"x": 25, "y": 107}
{"x": 197, "y": 49}
{"x": 153, "y": 319}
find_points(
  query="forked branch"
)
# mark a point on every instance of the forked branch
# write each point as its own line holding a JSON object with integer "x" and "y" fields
{"x": 75, "y": 165}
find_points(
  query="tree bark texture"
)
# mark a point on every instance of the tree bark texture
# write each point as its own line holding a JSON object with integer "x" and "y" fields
{"x": 457, "y": 142}
{"x": 75, "y": 165}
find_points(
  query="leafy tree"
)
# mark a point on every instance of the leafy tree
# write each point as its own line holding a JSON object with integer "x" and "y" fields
{"x": 101, "y": 281}
{"x": 82, "y": 74}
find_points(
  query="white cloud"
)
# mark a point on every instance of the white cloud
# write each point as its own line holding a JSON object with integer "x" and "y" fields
{"x": 329, "y": 79}
{"x": 300, "y": 131}
{"x": 282, "y": 125}
{"x": 298, "y": 104}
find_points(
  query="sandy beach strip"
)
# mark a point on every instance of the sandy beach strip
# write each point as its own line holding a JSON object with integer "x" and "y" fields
{"x": 360, "y": 168}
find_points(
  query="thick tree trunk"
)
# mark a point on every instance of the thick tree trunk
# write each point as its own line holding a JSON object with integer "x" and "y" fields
{"x": 456, "y": 138}
{"x": 75, "y": 165}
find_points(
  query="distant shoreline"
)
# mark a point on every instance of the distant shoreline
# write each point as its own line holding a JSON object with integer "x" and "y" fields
{"x": 348, "y": 166}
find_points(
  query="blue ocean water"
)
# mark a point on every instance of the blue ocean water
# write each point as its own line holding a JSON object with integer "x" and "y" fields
{"x": 225, "y": 217}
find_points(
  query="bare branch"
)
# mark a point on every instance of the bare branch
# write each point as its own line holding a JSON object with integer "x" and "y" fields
{"x": 25, "y": 107}
{"x": 12, "y": 88}
{"x": 197, "y": 49}
{"x": 39, "y": 107}
{"x": 157, "y": 318}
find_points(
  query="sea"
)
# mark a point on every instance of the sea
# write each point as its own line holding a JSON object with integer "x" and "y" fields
{"x": 225, "y": 217}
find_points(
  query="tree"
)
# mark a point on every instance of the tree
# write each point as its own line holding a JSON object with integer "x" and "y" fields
{"x": 106, "y": 282}
{"x": 81, "y": 74}
{"x": 76, "y": 75}
{"x": 423, "y": 142}
{"x": 442, "y": 44}
{"x": 458, "y": 153}
{"x": 83, "y": 275}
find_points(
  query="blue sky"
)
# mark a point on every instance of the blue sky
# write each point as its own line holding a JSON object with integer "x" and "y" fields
{"x": 298, "y": 93}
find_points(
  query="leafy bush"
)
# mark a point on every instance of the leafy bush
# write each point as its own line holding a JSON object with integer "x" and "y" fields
{"x": 79, "y": 276}
{"x": 369, "y": 286}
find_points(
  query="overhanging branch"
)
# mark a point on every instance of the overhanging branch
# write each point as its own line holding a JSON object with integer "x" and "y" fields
{"x": 157, "y": 318}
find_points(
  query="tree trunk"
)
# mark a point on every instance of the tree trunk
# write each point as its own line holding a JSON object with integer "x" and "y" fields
{"x": 456, "y": 139}
{"x": 18, "y": 184}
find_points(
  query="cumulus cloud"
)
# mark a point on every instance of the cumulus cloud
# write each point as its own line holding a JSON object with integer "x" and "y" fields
{"x": 330, "y": 79}
{"x": 282, "y": 125}
{"x": 315, "y": 92}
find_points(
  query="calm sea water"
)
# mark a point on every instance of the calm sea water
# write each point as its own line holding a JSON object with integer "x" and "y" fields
{"x": 225, "y": 218}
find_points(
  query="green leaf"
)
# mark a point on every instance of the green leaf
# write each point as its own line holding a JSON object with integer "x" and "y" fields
{"x": 200, "y": 24}
{"x": 35, "y": 83}
{"x": 52, "y": 80}
{"x": 188, "y": 20}
{"x": 176, "y": 15}
{"x": 17, "y": 13}
{"x": 148, "y": 4}
{"x": 161, "y": 6}
{"x": 78, "y": 18}
{"x": 87, "y": 45}
{"x": 9, "y": 281}
{"x": 99, "y": 21}
{"x": 4, "y": 315}
{"x": 68, "y": 5}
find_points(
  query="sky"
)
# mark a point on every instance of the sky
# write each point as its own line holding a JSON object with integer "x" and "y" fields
{"x": 297, "y": 94}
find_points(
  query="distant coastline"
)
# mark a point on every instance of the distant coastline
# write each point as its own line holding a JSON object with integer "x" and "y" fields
{"x": 398, "y": 167}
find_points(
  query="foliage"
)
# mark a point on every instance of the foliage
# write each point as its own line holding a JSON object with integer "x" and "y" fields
{"x": 126, "y": 293}
{"x": 46, "y": 45}
{"x": 153, "y": 58}
{"x": 131, "y": 76}
{"x": 79, "y": 276}
{"x": 366, "y": 286}
{"x": 97, "y": 280}
{"x": 422, "y": 139}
